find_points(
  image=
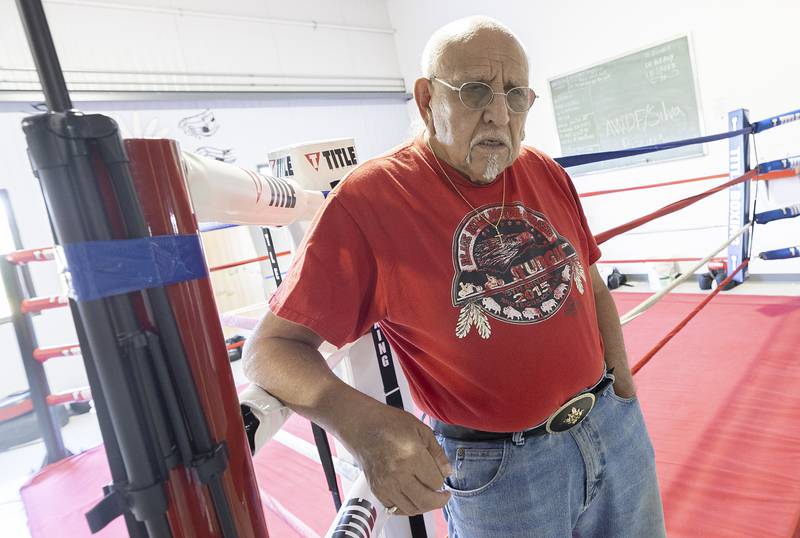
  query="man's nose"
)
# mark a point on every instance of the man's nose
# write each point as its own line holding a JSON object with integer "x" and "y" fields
{"x": 497, "y": 111}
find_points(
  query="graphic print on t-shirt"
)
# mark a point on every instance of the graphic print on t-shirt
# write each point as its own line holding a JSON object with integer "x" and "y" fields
{"x": 522, "y": 275}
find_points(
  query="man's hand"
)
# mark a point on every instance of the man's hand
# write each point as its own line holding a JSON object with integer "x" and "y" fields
{"x": 403, "y": 463}
{"x": 625, "y": 389}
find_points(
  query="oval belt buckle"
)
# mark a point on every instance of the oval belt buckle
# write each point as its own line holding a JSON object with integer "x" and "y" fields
{"x": 571, "y": 413}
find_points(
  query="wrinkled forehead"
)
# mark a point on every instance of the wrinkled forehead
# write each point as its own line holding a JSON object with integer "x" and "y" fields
{"x": 484, "y": 56}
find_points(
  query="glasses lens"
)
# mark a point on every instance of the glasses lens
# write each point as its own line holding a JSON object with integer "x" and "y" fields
{"x": 475, "y": 94}
{"x": 520, "y": 99}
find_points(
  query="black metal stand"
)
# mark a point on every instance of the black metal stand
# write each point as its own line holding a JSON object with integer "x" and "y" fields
{"x": 119, "y": 478}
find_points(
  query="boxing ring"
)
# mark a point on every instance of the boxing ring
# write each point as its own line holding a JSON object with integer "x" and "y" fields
{"x": 704, "y": 399}
{"x": 717, "y": 374}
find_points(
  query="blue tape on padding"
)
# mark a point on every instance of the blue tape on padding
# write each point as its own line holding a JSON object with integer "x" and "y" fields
{"x": 99, "y": 269}
{"x": 780, "y": 164}
{"x": 211, "y": 226}
{"x": 777, "y": 214}
{"x": 586, "y": 158}
{"x": 774, "y": 121}
{"x": 780, "y": 254}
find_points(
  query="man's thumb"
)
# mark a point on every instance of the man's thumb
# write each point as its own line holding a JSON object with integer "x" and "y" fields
{"x": 437, "y": 453}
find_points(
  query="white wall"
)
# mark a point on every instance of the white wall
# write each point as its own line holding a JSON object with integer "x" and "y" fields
{"x": 158, "y": 45}
{"x": 744, "y": 56}
{"x": 245, "y": 45}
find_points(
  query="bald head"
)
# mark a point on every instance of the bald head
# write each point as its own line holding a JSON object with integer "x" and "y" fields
{"x": 458, "y": 33}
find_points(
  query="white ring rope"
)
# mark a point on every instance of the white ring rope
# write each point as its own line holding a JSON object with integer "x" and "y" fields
{"x": 649, "y": 231}
{"x": 236, "y": 320}
{"x": 297, "y": 525}
{"x": 650, "y": 301}
{"x": 264, "y": 305}
{"x": 309, "y": 450}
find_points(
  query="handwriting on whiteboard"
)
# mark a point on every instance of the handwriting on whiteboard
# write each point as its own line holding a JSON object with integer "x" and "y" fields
{"x": 643, "y": 119}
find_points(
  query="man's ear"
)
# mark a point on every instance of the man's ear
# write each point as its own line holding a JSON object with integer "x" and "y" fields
{"x": 422, "y": 96}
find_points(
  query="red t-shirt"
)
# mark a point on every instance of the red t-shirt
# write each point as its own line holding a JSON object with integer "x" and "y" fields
{"x": 493, "y": 333}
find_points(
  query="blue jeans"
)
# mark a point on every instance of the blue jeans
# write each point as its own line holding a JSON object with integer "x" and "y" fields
{"x": 596, "y": 480}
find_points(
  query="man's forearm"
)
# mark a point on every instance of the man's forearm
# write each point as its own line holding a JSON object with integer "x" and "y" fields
{"x": 613, "y": 341}
{"x": 297, "y": 375}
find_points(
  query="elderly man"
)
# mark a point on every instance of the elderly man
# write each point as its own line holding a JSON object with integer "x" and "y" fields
{"x": 473, "y": 254}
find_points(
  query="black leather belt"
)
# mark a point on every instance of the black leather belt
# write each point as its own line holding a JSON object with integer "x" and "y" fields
{"x": 565, "y": 417}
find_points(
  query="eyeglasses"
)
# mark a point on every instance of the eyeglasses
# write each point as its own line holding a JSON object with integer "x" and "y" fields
{"x": 479, "y": 95}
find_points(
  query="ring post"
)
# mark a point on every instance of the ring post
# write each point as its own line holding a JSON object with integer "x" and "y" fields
{"x": 738, "y": 195}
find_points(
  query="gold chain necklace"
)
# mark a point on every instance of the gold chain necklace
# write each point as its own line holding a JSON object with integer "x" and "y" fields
{"x": 475, "y": 209}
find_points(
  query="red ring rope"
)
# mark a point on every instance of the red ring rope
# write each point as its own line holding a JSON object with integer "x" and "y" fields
{"x": 777, "y": 174}
{"x": 37, "y": 304}
{"x": 78, "y": 395}
{"x": 21, "y": 257}
{"x": 245, "y": 262}
{"x": 26, "y": 405}
{"x": 769, "y": 176}
{"x": 644, "y": 360}
{"x": 671, "y": 208}
{"x": 43, "y": 354}
{"x": 651, "y": 185}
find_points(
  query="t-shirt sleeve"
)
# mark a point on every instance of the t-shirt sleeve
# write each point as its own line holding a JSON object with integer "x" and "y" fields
{"x": 332, "y": 286}
{"x": 592, "y": 247}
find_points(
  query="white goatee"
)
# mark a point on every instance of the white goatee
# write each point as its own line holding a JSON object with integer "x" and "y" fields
{"x": 492, "y": 169}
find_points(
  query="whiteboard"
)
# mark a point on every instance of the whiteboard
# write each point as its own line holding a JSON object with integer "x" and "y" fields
{"x": 642, "y": 98}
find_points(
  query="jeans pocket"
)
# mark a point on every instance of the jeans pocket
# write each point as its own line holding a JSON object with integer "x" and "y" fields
{"x": 476, "y": 466}
{"x": 614, "y": 396}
